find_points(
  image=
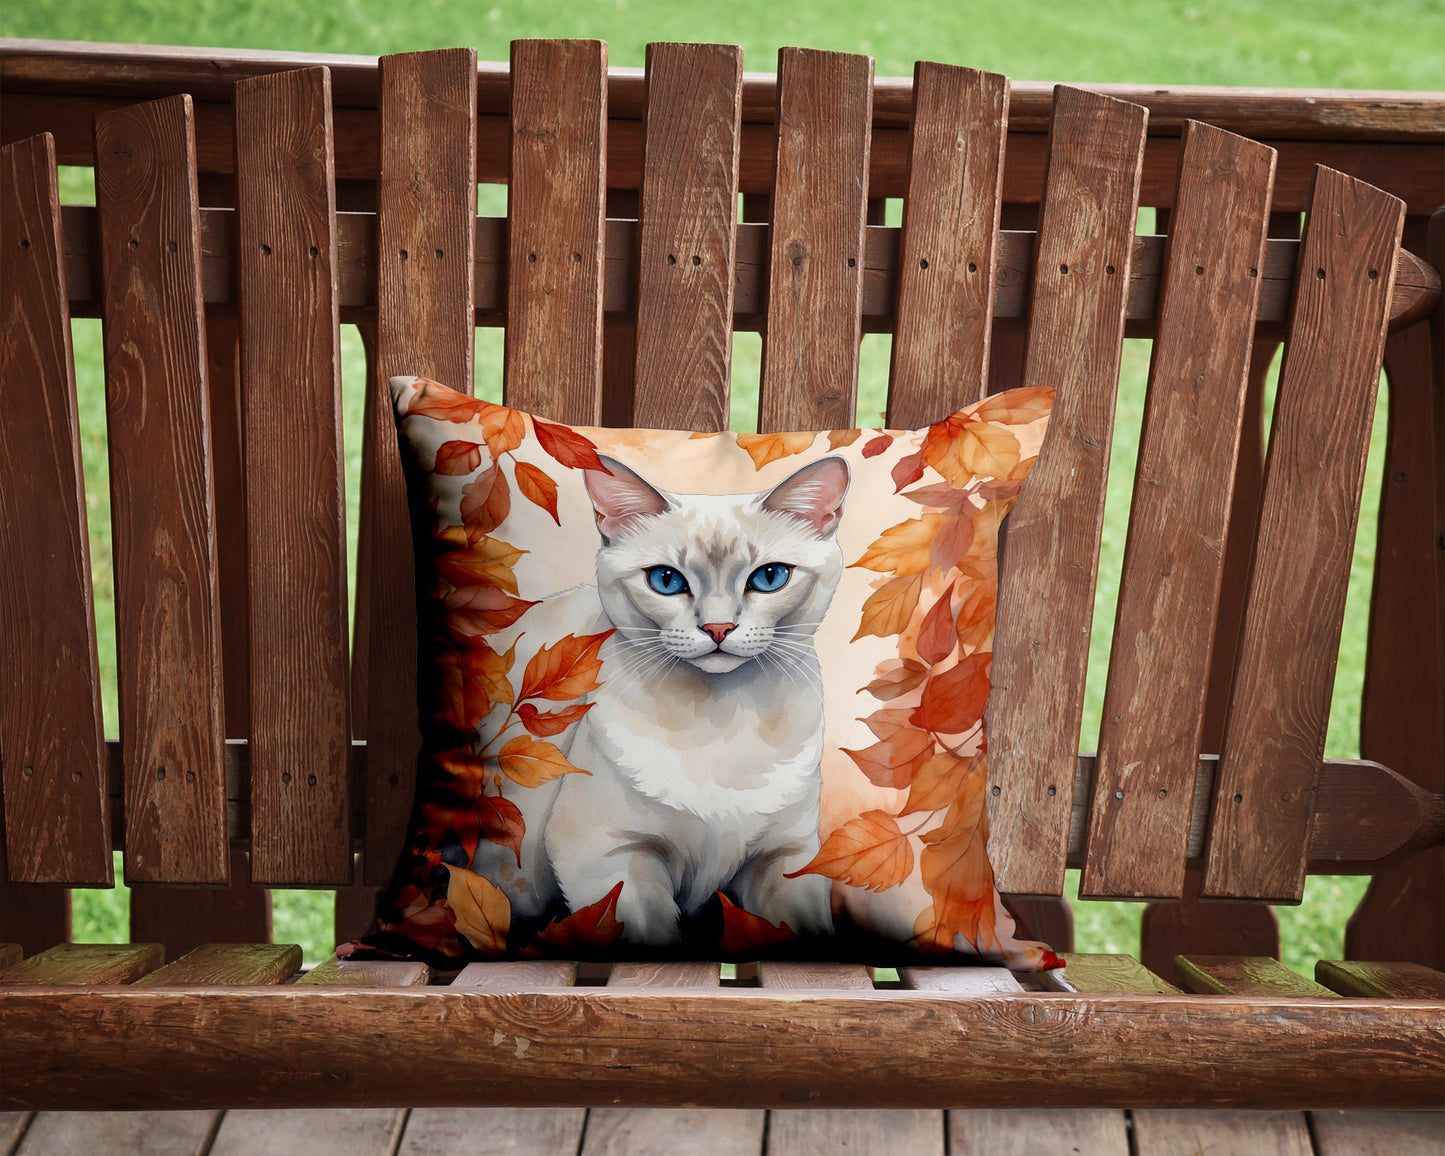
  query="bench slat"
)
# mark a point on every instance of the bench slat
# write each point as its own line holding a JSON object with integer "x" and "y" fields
{"x": 555, "y": 207}
{"x": 425, "y": 256}
{"x": 947, "y": 265}
{"x": 1384, "y": 980}
{"x": 56, "y": 819}
{"x": 959, "y": 980}
{"x": 1279, "y": 710}
{"x": 168, "y": 642}
{"x": 335, "y": 972}
{"x": 1173, "y": 563}
{"x": 1096, "y": 972}
{"x": 1075, "y": 339}
{"x": 183, "y": 918}
{"x": 228, "y": 963}
{"x": 687, "y": 237}
{"x": 83, "y": 964}
{"x": 787, "y": 976}
{"x": 300, "y": 745}
{"x": 816, "y": 259}
{"x": 668, "y": 975}
{"x": 517, "y": 975}
{"x": 1242, "y": 975}
{"x": 1032, "y": 1131}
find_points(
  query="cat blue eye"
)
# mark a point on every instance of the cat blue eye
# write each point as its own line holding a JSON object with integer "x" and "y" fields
{"x": 666, "y": 580}
{"x": 769, "y": 577}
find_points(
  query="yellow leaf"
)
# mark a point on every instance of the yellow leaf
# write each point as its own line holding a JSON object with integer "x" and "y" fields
{"x": 904, "y": 548}
{"x": 529, "y": 763}
{"x": 839, "y": 438}
{"x": 765, "y": 448}
{"x": 486, "y": 562}
{"x": 869, "y": 851}
{"x": 1022, "y": 406}
{"x": 890, "y": 607}
{"x": 962, "y": 449}
{"x": 482, "y": 912}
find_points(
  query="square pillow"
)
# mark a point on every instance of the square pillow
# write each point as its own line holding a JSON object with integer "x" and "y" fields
{"x": 704, "y": 695}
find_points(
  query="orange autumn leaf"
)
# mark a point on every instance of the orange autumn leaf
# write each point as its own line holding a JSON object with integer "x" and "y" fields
{"x": 765, "y": 448}
{"x": 981, "y": 561}
{"x": 963, "y": 448}
{"x": 473, "y": 610}
{"x": 545, "y": 724}
{"x": 486, "y": 562}
{"x": 955, "y": 869}
{"x": 839, "y": 438}
{"x": 502, "y": 427}
{"x": 567, "y": 445}
{"x": 896, "y": 677}
{"x": 486, "y": 501}
{"x": 1021, "y": 406}
{"x": 954, "y": 700}
{"x": 744, "y": 932}
{"x": 455, "y": 458}
{"x": 438, "y": 401}
{"x": 936, "y": 635}
{"x": 952, "y": 543}
{"x": 868, "y": 851}
{"x": 876, "y": 445}
{"x": 529, "y": 763}
{"x": 892, "y": 762}
{"x": 482, "y": 911}
{"x": 464, "y": 697}
{"x": 538, "y": 488}
{"x": 976, "y": 618}
{"x": 904, "y": 548}
{"x": 942, "y": 496}
{"x": 565, "y": 670}
{"x": 940, "y": 781}
{"x": 907, "y": 470}
{"x": 889, "y": 608}
{"x": 594, "y": 926}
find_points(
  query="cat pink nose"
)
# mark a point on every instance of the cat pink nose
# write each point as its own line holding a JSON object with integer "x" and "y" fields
{"x": 718, "y": 630}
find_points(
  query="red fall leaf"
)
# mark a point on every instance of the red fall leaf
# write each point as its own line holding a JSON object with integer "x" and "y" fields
{"x": 568, "y": 446}
{"x": 954, "y": 700}
{"x": 594, "y": 926}
{"x": 565, "y": 670}
{"x": 545, "y": 724}
{"x": 538, "y": 488}
{"x": 744, "y": 932}
{"x": 486, "y": 502}
{"x": 936, "y": 635}
{"x": 455, "y": 458}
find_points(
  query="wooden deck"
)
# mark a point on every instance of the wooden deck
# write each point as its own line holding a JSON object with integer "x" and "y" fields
{"x": 722, "y": 1132}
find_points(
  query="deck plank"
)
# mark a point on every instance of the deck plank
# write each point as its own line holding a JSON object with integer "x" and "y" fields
{"x": 1346, "y": 1133}
{"x": 858, "y": 1132}
{"x": 122, "y": 1133}
{"x": 1170, "y": 1132}
{"x": 515, "y": 1131}
{"x": 313, "y": 1131}
{"x": 1034, "y": 1131}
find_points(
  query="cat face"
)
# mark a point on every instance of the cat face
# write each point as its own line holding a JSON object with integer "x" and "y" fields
{"x": 718, "y": 580}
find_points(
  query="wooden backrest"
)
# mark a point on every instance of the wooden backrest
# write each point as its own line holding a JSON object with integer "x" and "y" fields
{"x": 227, "y": 457}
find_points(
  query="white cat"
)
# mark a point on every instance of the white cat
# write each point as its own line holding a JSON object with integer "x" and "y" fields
{"x": 705, "y": 738}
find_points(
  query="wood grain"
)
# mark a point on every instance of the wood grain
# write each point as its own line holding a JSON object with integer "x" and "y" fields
{"x": 867, "y": 1132}
{"x": 517, "y": 975}
{"x": 555, "y": 206}
{"x": 1153, "y": 715}
{"x": 228, "y": 963}
{"x": 516, "y": 1131}
{"x": 1172, "y": 1131}
{"x": 295, "y": 500}
{"x": 816, "y": 259}
{"x": 959, "y": 980}
{"x": 687, "y": 237}
{"x": 147, "y": 1133}
{"x": 1190, "y": 925}
{"x": 56, "y": 818}
{"x": 1076, "y": 331}
{"x": 947, "y": 267}
{"x": 1031, "y": 1131}
{"x": 294, "y": 1047}
{"x": 1275, "y": 732}
{"x": 1383, "y": 980}
{"x": 1097, "y": 972}
{"x": 1243, "y": 975}
{"x": 168, "y": 633}
{"x": 1346, "y": 1133}
{"x": 334, "y": 1132}
{"x": 10, "y": 953}
{"x": 12, "y": 1127}
{"x": 76, "y": 964}
{"x": 367, "y": 973}
{"x": 34, "y": 915}
{"x": 674, "y": 1132}
{"x": 786, "y": 976}
{"x": 669, "y": 975}
{"x": 183, "y": 918}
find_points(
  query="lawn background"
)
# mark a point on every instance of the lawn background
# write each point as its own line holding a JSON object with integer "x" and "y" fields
{"x": 1385, "y": 44}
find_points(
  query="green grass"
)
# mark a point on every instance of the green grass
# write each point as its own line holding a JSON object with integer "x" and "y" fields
{"x": 1327, "y": 43}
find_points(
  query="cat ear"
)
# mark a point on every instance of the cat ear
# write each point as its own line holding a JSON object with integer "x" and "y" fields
{"x": 620, "y": 497}
{"x": 815, "y": 494}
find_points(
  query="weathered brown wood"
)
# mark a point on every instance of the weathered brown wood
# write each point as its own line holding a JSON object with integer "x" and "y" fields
{"x": 83, "y": 964}
{"x": 168, "y": 635}
{"x": 228, "y": 963}
{"x": 959, "y": 980}
{"x": 816, "y": 260}
{"x": 151, "y": 1133}
{"x": 1355, "y": 1133}
{"x": 516, "y": 1131}
{"x": 1275, "y": 731}
{"x": 367, "y": 973}
{"x": 426, "y": 217}
{"x": 10, "y": 953}
{"x": 555, "y": 205}
{"x": 687, "y": 236}
{"x": 517, "y": 975}
{"x": 56, "y": 820}
{"x": 670, "y": 975}
{"x": 1095, "y": 972}
{"x": 334, "y": 1132}
{"x": 1190, "y": 926}
{"x": 1176, "y": 1130}
{"x": 1159, "y": 661}
{"x": 1384, "y": 980}
{"x": 799, "y": 1133}
{"x": 34, "y": 915}
{"x": 886, "y": 1048}
{"x": 1376, "y": 929}
{"x": 947, "y": 267}
{"x": 1076, "y": 331}
{"x": 1242, "y": 975}
{"x": 183, "y": 918}
{"x": 785, "y": 976}
{"x": 674, "y": 1132}
{"x": 1030, "y": 1131}
{"x": 355, "y": 911}
{"x": 294, "y": 492}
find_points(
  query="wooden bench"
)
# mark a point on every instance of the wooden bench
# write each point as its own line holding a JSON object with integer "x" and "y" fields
{"x": 246, "y": 206}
